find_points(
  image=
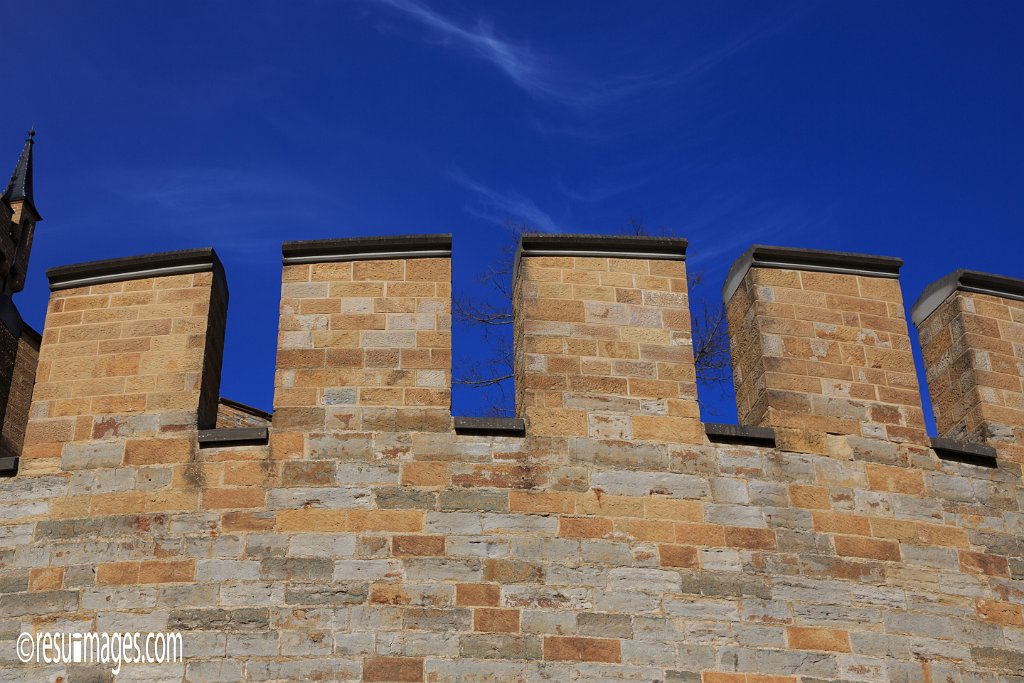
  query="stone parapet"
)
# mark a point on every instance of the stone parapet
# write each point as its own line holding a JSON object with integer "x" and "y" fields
{"x": 376, "y": 538}
{"x": 129, "y": 364}
{"x": 820, "y": 346}
{"x": 971, "y": 326}
{"x": 603, "y": 345}
{"x": 364, "y": 341}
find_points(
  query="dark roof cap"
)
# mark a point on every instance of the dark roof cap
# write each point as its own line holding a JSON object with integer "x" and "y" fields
{"x": 718, "y": 432}
{"x": 599, "y": 246}
{"x": 135, "y": 268}
{"x": 964, "y": 281}
{"x": 613, "y": 246}
{"x": 233, "y": 436}
{"x": 841, "y": 262}
{"x": 970, "y": 453}
{"x": 490, "y": 426}
{"x": 364, "y": 248}
{"x": 20, "y": 186}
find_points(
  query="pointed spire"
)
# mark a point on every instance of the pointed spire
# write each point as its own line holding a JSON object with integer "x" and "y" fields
{"x": 20, "y": 187}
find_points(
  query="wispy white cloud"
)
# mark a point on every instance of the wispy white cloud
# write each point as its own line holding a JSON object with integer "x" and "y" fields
{"x": 500, "y": 207}
{"x": 516, "y": 61}
{"x": 536, "y": 75}
{"x": 601, "y": 191}
{"x": 543, "y": 79}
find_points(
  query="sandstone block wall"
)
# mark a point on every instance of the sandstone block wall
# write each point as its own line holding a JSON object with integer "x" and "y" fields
{"x": 364, "y": 342}
{"x": 384, "y": 553}
{"x": 19, "y": 393}
{"x": 122, "y": 362}
{"x": 820, "y": 344}
{"x": 604, "y": 346}
{"x": 972, "y": 335}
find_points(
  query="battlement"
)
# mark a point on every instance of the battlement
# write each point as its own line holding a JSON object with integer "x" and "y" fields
{"x": 603, "y": 343}
{"x": 605, "y": 533}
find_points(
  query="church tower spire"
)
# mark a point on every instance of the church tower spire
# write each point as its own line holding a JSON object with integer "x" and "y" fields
{"x": 21, "y": 208}
{"x": 19, "y": 189}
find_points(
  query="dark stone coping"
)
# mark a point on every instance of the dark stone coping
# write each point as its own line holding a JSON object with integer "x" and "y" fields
{"x": 747, "y": 434}
{"x": 964, "y": 281}
{"x": 962, "y": 451}
{"x": 614, "y": 246}
{"x": 841, "y": 262}
{"x": 599, "y": 246}
{"x": 233, "y": 436}
{"x": 137, "y": 267}
{"x": 246, "y": 408}
{"x": 365, "y": 248}
{"x": 8, "y": 466}
{"x": 490, "y": 426}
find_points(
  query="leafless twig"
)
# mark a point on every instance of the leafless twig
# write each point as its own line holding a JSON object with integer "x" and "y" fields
{"x": 710, "y": 341}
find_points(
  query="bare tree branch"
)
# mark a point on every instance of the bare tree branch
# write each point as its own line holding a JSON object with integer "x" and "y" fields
{"x": 494, "y": 314}
{"x": 488, "y": 382}
{"x": 481, "y": 313}
{"x": 711, "y": 345}
{"x": 475, "y": 310}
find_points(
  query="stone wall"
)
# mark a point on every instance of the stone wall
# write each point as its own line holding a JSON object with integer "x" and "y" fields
{"x": 385, "y": 552}
{"x": 19, "y": 398}
{"x": 19, "y": 354}
{"x": 364, "y": 343}
{"x": 603, "y": 343}
{"x": 19, "y": 343}
{"x": 972, "y": 334}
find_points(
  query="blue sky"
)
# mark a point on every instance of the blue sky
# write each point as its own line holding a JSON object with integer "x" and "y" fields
{"x": 878, "y": 127}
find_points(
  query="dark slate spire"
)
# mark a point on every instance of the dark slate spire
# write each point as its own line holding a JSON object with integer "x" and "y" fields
{"x": 20, "y": 187}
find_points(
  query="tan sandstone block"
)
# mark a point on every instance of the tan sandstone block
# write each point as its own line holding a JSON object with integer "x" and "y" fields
{"x": 982, "y": 563}
{"x": 829, "y": 639}
{"x": 394, "y": 669}
{"x": 584, "y": 527}
{"x": 173, "y": 571}
{"x": 417, "y": 546}
{"x": 117, "y": 573}
{"x": 868, "y": 548}
{"x": 676, "y": 510}
{"x": 561, "y": 648}
{"x": 894, "y": 479}
{"x": 157, "y": 451}
{"x": 385, "y": 520}
{"x": 680, "y": 556}
{"x": 811, "y": 497}
{"x": 477, "y": 594}
{"x": 425, "y": 474}
{"x": 1004, "y": 613}
{"x": 46, "y": 578}
{"x": 496, "y": 620}
{"x": 671, "y": 429}
{"x": 234, "y": 498}
{"x": 840, "y": 523}
{"x": 312, "y": 519}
